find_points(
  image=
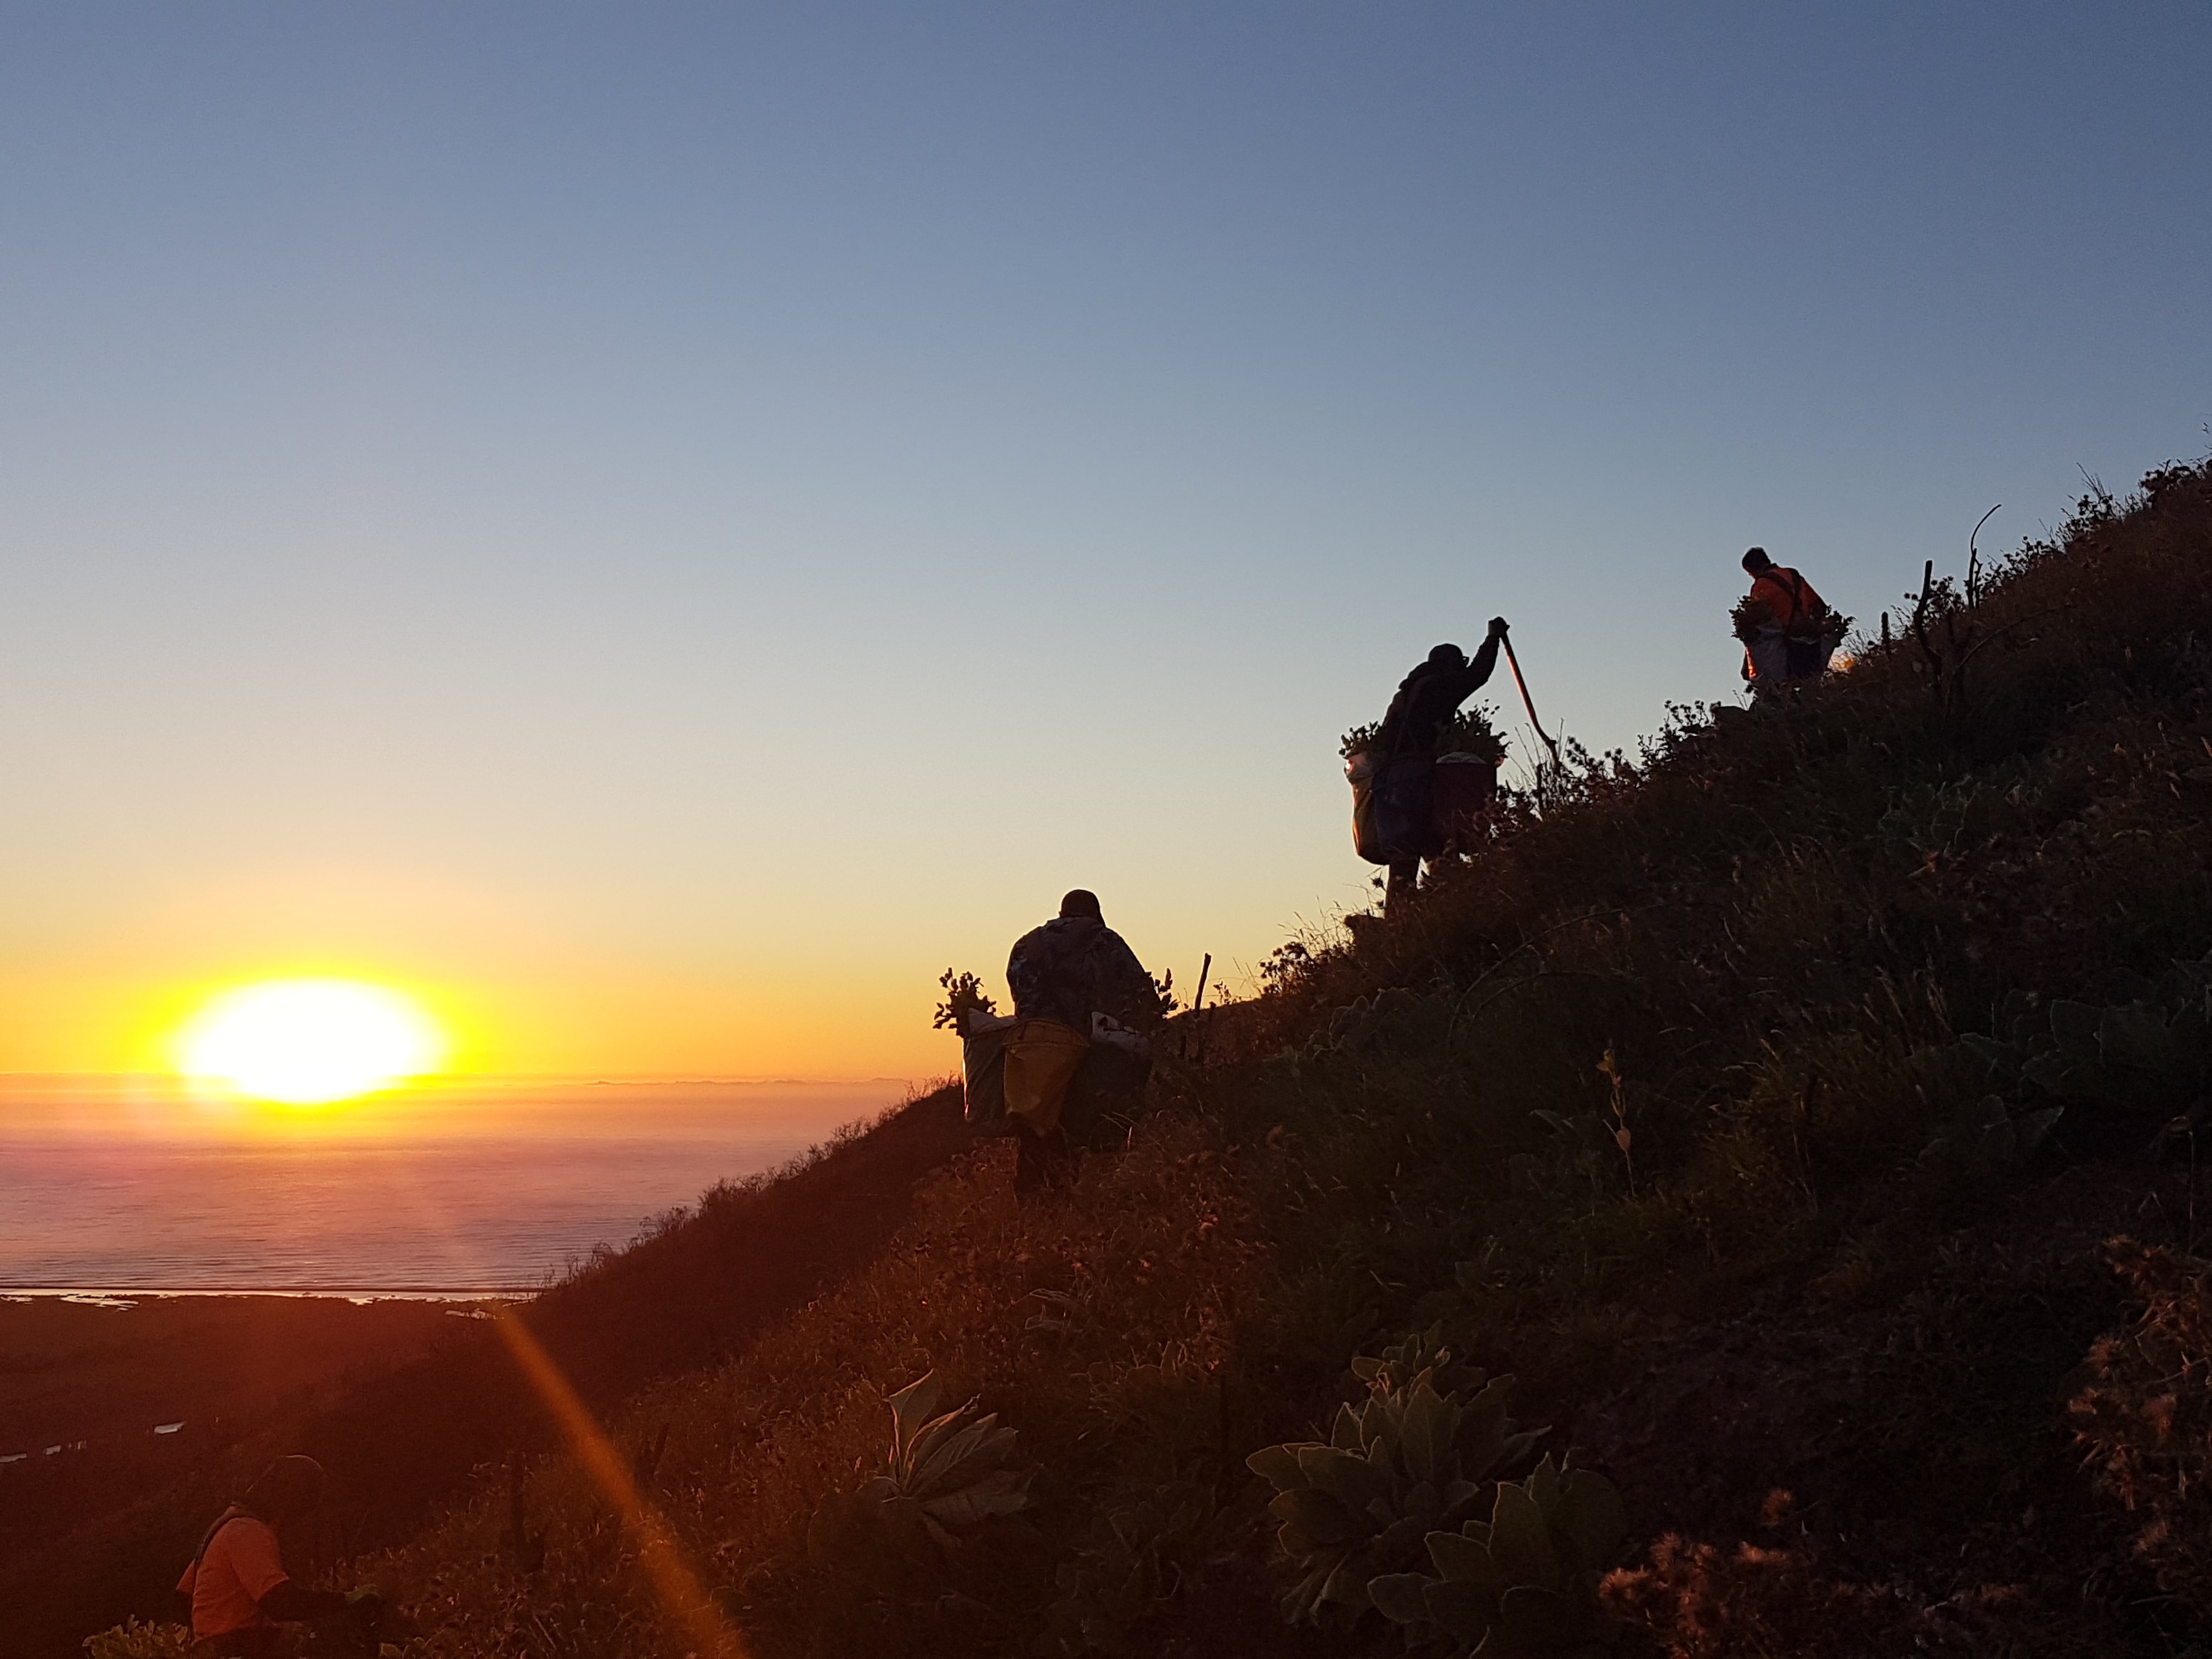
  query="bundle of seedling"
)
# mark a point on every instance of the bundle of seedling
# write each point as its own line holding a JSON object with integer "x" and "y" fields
{"x": 1470, "y": 732}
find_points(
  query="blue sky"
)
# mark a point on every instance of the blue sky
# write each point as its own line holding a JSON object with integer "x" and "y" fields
{"x": 679, "y": 522}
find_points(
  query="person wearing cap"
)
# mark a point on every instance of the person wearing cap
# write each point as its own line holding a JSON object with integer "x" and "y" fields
{"x": 1405, "y": 751}
{"x": 241, "y": 1593}
{"x": 1788, "y": 631}
{"x": 1072, "y": 975}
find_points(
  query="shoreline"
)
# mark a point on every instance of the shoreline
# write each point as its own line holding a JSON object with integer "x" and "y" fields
{"x": 124, "y": 1295}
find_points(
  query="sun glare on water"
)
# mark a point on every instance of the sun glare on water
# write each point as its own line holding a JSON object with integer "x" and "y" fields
{"x": 310, "y": 1042}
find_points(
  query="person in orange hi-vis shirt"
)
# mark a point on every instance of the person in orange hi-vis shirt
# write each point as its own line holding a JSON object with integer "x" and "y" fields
{"x": 241, "y": 1593}
{"x": 1788, "y": 631}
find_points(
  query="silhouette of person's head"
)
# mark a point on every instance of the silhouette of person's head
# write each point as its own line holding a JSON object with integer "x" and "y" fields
{"x": 1755, "y": 561}
{"x": 287, "y": 1489}
{"x": 1081, "y": 902}
{"x": 1448, "y": 656}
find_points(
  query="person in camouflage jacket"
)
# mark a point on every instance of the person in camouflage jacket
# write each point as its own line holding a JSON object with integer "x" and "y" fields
{"x": 1072, "y": 967}
{"x": 1075, "y": 966}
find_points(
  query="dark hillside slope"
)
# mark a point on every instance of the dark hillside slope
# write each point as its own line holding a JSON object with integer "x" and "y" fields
{"x": 1714, "y": 1100}
{"x": 702, "y": 1286}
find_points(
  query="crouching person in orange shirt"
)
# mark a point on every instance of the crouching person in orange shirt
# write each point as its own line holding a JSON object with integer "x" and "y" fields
{"x": 239, "y": 1591}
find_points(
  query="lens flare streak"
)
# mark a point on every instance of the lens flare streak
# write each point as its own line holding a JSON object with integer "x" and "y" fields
{"x": 658, "y": 1552}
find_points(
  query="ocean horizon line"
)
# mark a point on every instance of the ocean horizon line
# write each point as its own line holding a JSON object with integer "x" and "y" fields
{"x": 585, "y": 1079}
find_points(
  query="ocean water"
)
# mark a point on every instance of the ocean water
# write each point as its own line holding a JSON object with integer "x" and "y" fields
{"x": 120, "y": 1185}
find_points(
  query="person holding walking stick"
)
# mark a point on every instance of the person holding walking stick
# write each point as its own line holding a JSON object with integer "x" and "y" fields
{"x": 1403, "y": 755}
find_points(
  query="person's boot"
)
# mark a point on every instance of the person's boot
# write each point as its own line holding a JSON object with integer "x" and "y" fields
{"x": 1042, "y": 1163}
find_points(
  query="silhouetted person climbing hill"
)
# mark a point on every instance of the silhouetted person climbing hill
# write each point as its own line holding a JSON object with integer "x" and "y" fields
{"x": 1788, "y": 631}
{"x": 1405, "y": 751}
{"x": 1063, "y": 974}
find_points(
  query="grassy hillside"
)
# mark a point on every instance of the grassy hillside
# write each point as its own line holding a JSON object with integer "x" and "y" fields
{"x": 1760, "y": 1104}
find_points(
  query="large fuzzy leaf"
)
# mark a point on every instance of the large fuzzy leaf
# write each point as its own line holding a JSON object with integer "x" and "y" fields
{"x": 1346, "y": 1476}
{"x": 1466, "y": 1611}
{"x": 1397, "y": 1596}
{"x": 1464, "y": 1560}
{"x": 1520, "y": 1543}
{"x": 2135, "y": 1037}
{"x": 912, "y": 1407}
{"x": 1004, "y": 1491}
{"x": 1399, "y": 1544}
{"x": 1346, "y": 1587}
{"x": 1279, "y": 1466}
{"x": 1424, "y": 1503}
{"x": 1298, "y": 1605}
{"x": 926, "y": 1441}
{"x": 972, "y": 1452}
{"x": 1426, "y": 1434}
{"x": 1544, "y": 1483}
{"x": 1378, "y": 1432}
{"x": 1317, "y": 1519}
{"x": 1482, "y": 1429}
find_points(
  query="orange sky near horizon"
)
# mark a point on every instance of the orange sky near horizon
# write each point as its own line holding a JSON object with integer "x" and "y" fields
{"x": 787, "y": 1028}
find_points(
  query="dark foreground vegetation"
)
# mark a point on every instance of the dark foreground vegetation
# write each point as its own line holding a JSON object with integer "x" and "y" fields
{"x": 1765, "y": 1107}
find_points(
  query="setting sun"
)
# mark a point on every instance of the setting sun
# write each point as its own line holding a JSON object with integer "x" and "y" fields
{"x": 309, "y": 1042}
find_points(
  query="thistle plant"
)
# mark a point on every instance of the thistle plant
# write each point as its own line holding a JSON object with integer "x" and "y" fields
{"x": 1522, "y": 1584}
{"x": 946, "y": 1475}
{"x": 2148, "y": 1056}
{"x": 2153, "y": 1054}
{"x": 1415, "y": 1458}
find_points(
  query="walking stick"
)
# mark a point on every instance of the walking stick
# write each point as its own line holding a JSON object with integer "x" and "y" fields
{"x": 1527, "y": 701}
{"x": 1182, "y": 1047}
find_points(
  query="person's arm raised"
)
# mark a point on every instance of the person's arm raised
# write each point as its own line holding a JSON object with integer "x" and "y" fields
{"x": 1485, "y": 657}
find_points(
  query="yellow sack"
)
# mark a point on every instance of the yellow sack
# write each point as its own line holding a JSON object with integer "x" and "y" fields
{"x": 1040, "y": 1060}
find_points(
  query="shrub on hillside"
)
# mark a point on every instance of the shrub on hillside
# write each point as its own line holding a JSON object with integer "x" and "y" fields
{"x": 2145, "y": 1425}
{"x": 1701, "y": 1601}
{"x": 133, "y": 1640}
